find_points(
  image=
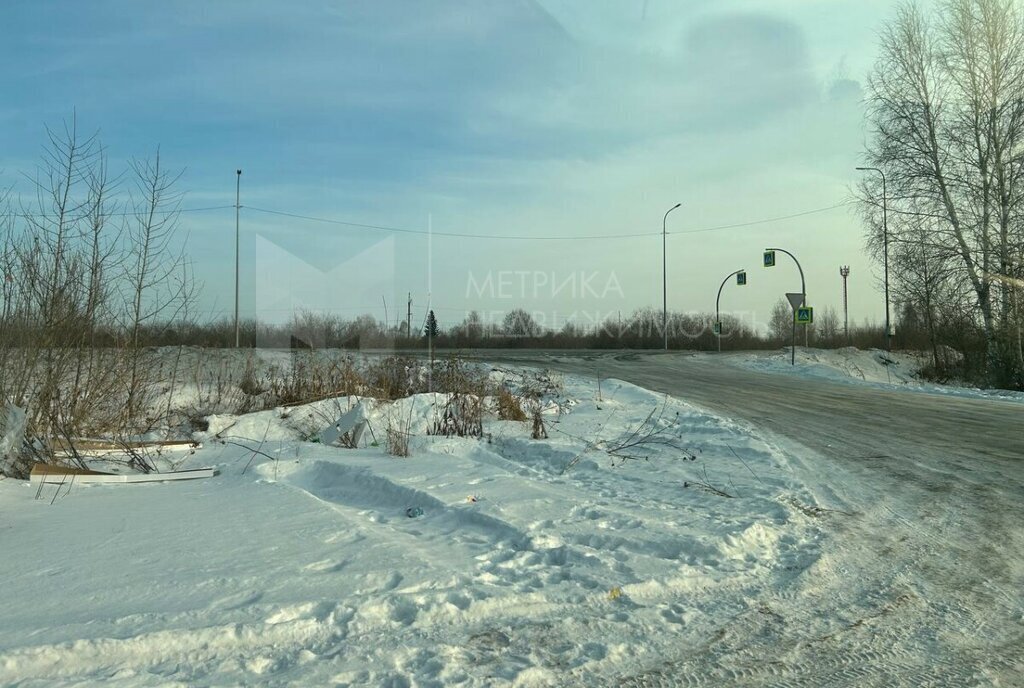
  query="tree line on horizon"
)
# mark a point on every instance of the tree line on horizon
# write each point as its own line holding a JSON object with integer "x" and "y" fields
{"x": 518, "y": 329}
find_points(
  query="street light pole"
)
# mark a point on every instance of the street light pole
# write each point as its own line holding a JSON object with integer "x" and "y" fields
{"x": 718, "y": 319}
{"x": 664, "y": 274}
{"x": 238, "y": 196}
{"x": 803, "y": 300}
{"x": 885, "y": 252}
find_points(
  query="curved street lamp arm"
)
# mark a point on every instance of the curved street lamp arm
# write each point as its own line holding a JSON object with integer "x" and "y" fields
{"x": 719, "y": 297}
{"x": 803, "y": 285}
{"x": 665, "y": 219}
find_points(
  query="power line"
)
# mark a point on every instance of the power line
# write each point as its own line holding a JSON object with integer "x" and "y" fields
{"x": 527, "y": 237}
{"x": 448, "y": 234}
{"x": 766, "y": 220}
{"x": 465, "y": 235}
{"x": 122, "y": 213}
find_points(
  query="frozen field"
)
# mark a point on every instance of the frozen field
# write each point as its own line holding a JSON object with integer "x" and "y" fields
{"x": 644, "y": 543}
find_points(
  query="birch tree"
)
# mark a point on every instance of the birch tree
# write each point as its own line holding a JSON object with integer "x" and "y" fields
{"x": 946, "y": 117}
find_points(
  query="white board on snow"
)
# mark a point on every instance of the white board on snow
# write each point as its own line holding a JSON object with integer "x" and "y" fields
{"x": 352, "y": 421}
{"x": 89, "y": 478}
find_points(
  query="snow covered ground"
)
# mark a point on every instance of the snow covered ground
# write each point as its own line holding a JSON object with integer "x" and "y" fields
{"x": 533, "y": 562}
{"x": 645, "y": 542}
{"x": 874, "y": 367}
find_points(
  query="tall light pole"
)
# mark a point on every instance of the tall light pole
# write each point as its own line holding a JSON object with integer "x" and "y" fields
{"x": 885, "y": 253}
{"x": 741, "y": 279}
{"x": 238, "y": 206}
{"x": 844, "y": 272}
{"x": 793, "y": 298}
{"x": 664, "y": 274}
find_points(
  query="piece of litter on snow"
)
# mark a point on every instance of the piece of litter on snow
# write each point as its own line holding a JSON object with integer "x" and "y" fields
{"x": 413, "y": 512}
{"x": 354, "y": 421}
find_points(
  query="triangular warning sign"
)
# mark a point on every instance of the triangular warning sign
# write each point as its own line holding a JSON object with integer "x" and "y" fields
{"x": 795, "y": 300}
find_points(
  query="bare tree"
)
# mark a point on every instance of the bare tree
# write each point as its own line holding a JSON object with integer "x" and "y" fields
{"x": 157, "y": 287}
{"x": 826, "y": 328}
{"x": 81, "y": 278}
{"x": 781, "y": 323}
{"x": 946, "y": 108}
{"x": 519, "y": 323}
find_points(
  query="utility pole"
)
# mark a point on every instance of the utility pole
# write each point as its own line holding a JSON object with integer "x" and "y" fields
{"x": 238, "y": 206}
{"x": 408, "y": 318}
{"x": 844, "y": 271}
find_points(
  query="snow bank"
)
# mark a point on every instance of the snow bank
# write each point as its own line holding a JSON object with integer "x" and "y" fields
{"x": 850, "y": 365}
{"x": 500, "y": 560}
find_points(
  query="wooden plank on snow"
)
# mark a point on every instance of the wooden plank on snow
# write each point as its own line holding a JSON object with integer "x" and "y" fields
{"x": 66, "y": 475}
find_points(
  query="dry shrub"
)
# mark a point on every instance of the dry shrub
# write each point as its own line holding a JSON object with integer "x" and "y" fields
{"x": 396, "y": 442}
{"x": 539, "y": 431}
{"x": 509, "y": 406}
{"x": 250, "y": 384}
{"x": 218, "y": 389}
{"x": 313, "y": 376}
{"x": 81, "y": 280}
{"x": 456, "y": 376}
{"x": 397, "y": 433}
{"x": 393, "y": 377}
{"x": 463, "y": 416}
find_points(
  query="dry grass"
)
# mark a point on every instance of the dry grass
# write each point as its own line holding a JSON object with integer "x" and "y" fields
{"x": 462, "y": 416}
{"x": 509, "y": 406}
{"x": 313, "y": 376}
{"x": 185, "y": 385}
{"x": 398, "y": 432}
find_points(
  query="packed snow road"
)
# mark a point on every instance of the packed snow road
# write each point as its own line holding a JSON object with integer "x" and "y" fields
{"x": 927, "y": 575}
{"x": 844, "y": 422}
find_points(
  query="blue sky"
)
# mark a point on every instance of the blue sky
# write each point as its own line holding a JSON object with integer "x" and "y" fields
{"x": 512, "y": 117}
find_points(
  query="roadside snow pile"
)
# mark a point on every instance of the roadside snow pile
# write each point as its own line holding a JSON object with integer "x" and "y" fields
{"x": 637, "y": 533}
{"x": 874, "y": 366}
